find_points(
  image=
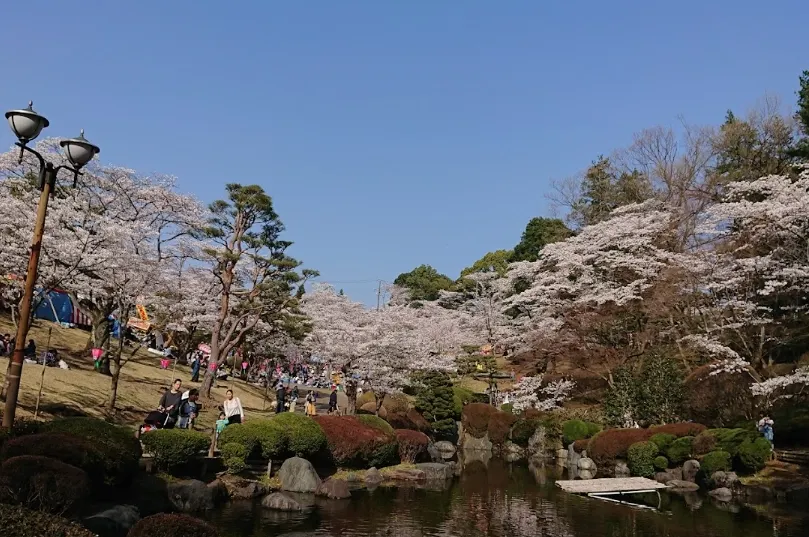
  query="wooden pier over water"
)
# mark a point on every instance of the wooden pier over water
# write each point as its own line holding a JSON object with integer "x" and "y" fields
{"x": 603, "y": 488}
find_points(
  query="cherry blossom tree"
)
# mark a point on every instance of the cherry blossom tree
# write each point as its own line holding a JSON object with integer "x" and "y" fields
{"x": 530, "y": 393}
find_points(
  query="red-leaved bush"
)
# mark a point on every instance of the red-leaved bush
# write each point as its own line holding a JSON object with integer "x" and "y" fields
{"x": 580, "y": 445}
{"x": 42, "y": 484}
{"x": 613, "y": 444}
{"x": 475, "y": 418}
{"x": 165, "y": 525}
{"x": 412, "y": 444}
{"x": 410, "y": 420}
{"x": 499, "y": 425}
{"x": 679, "y": 429}
{"x": 355, "y": 444}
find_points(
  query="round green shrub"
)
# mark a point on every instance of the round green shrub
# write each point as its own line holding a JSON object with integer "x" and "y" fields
{"x": 234, "y": 457}
{"x": 640, "y": 458}
{"x": 507, "y": 407}
{"x": 573, "y": 430}
{"x": 120, "y": 449}
{"x": 661, "y": 463}
{"x": 270, "y": 437}
{"x": 523, "y": 430}
{"x": 165, "y": 525}
{"x": 173, "y": 447}
{"x": 731, "y": 439}
{"x": 680, "y": 450}
{"x": 376, "y": 422}
{"x": 238, "y": 433}
{"x": 704, "y": 442}
{"x": 384, "y": 455}
{"x": 42, "y": 484}
{"x": 662, "y": 440}
{"x": 715, "y": 461}
{"x": 304, "y": 437}
{"x": 592, "y": 429}
{"x": 18, "y": 521}
{"x": 460, "y": 397}
{"x": 753, "y": 455}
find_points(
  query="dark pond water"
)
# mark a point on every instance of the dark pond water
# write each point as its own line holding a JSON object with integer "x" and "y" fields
{"x": 511, "y": 501}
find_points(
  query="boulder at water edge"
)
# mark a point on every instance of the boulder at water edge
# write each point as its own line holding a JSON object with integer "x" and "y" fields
{"x": 587, "y": 468}
{"x": 445, "y": 449}
{"x": 537, "y": 444}
{"x": 373, "y": 476}
{"x": 690, "y": 470}
{"x": 298, "y": 475}
{"x": 470, "y": 443}
{"x": 722, "y": 494}
{"x": 622, "y": 469}
{"x": 335, "y": 489}
{"x": 190, "y": 496}
{"x": 113, "y": 522}
{"x": 242, "y": 489}
{"x": 724, "y": 479}
{"x": 435, "y": 471}
{"x": 281, "y": 502}
{"x": 682, "y": 486}
{"x": 512, "y": 452}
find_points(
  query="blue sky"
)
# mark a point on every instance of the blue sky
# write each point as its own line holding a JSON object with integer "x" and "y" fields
{"x": 390, "y": 134}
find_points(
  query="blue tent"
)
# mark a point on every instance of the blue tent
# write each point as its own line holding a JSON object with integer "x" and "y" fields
{"x": 59, "y": 302}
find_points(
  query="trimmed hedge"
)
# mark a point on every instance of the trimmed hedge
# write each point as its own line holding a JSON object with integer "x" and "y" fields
{"x": 475, "y": 418}
{"x": 661, "y": 463}
{"x": 499, "y": 426}
{"x": 662, "y": 440}
{"x": 612, "y": 444}
{"x": 42, "y": 484}
{"x": 282, "y": 436}
{"x": 714, "y": 462}
{"x": 304, "y": 437}
{"x": 165, "y": 525}
{"x": 680, "y": 450}
{"x": 234, "y": 457}
{"x": 679, "y": 429}
{"x": 575, "y": 429}
{"x": 174, "y": 447}
{"x": 704, "y": 442}
{"x": 641, "y": 458}
{"x": 121, "y": 450}
{"x": 412, "y": 444}
{"x": 731, "y": 439}
{"x": 460, "y": 397}
{"x": 376, "y": 422}
{"x": 352, "y": 443}
{"x": 523, "y": 430}
{"x": 17, "y": 521}
{"x": 753, "y": 454}
{"x": 410, "y": 420}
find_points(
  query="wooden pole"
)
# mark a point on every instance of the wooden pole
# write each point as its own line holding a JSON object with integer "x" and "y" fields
{"x": 42, "y": 377}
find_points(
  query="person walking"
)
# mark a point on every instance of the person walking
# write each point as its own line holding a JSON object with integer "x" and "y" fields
{"x": 333, "y": 400}
{"x": 234, "y": 412}
{"x": 309, "y": 408}
{"x": 293, "y": 400}
{"x": 280, "y": 393}
{"x": 195, "y": 365}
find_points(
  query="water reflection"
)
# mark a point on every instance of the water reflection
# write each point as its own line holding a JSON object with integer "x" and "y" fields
{"x": 499, "y": 500}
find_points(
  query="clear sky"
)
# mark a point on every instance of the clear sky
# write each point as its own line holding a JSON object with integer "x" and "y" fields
{"x": 390, "y": 133}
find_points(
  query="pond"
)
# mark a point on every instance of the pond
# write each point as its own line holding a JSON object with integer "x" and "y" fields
{"x": 511, "y": 501}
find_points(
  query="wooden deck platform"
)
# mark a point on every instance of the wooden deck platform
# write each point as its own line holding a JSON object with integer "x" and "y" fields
{"x": 612, "y": 485}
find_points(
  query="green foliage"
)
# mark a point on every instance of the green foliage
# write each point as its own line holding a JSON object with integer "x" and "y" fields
{"x": 384, "y": 455}
{"x": 17, "y": 521}
{"x": 460, "y": 397}
{"x": 654, "y": 394}
{"x": 269, "y": 436}
{"x": 573, "y": 430}
{"x": 641, "y": 457}
{"x": 171, "y": 448}
{"x": 661, "y": 463}
{"x": 365, "y": 398}
{"x": 539, "y": 232}
{"x": 304, "y": 437}
{"x": 241, "y": 434}
{"x": 424, "y": 282}
{"x": 118, "y": 446}
{"x": 662, "y": 440}
{"x": 507, "y": 407}
{"x": 704, "y": 442}
{"x": 680, "y": 450}
{"x": 234, "y": 457}
{"x": 801, "y": 148}
{"x": 496, "y": 261}
{"x": 620, "y": 399}
{"x": 376, "y": 422}
{"x": 436, "y": 402}
{"x": 592, "y": 429}
{"x": 523, "y": 430}
{"x": 715, "y": 461}
{"x": 753, "y": 454}
{"x": 42, "y": 484}
{"x": 731, "y": 439}
{"x": 172, "y": 525}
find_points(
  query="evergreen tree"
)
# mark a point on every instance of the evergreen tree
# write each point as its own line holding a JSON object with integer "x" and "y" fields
{"x": 436, "y": 404}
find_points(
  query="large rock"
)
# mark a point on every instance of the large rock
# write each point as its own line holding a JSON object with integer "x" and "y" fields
{"x": 538, "y": 444}
{"x": 726, "y": 480}
{"x": 690, "y": 470}
{"x": 682, "y": 486}
{"x": 561, "y": 457}
{"x": 470, "y": 443}
{"x": 334, "y": 489}
{"x": 433, "y": 453}
{"x": 113, "y": 522}
{"x": 370, "y": 408}
{"x": 219, "y": 492}
{"x": 445, "y": 449}
{"x": 190, "y": 496}
{"x": 373, "y": 476}
{"x": 672, "y": 474}
{"x": 435, "y": 471}
{"x": 239, "y": 488}
{"x": 722, "y": 494}
{"x": 622, "y": 469}
{"x": 298, "y": 475}
{"x": 281, "y": 502}
{"x": 406, "y": 474}
{"x": 586, "y": 468}
{"x": 512, "y": 452}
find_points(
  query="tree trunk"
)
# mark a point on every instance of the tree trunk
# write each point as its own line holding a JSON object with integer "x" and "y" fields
{"x": 351, "y": 394}
{"x": 207, "y": 382}
{"x": 114, "y": 388}
{"x": 380, "y": 398}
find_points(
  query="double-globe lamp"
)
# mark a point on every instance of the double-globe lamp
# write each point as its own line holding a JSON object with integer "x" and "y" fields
{"x": 27, "y": 125}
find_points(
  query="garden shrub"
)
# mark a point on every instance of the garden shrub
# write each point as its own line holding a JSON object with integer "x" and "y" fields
{"x": 376, "y": 422}
{"x": 475, "y": 419}
{"x": 704, "y": 442}
{"x": 753, "y": 454}
{"x": 304, "y": 437}
{"x": 42, "y": 484}
{"x": 523, "y": 430}
{"x": 460, "y": 397}
{"x": 435, "y": 402}
{"x": 412, "y": 444}
{"x": 662, "y": 440}
{"x": 396, "y": 402}
{"x": 269, "y": 436}
{"x": 661, "y": 463}
{"x": 410, "y": 420}
{"x": 17, "y": 521}
{"x": 507, "y": 407}
{"x": 355, "y": 444}
{"x": 592, "y": 429}
{"x": 679, "y": 429}
{"x": 680, "y": 450}
{"x": 573, "y": 430}
{"x": 365, "y": 397}
{"x": 580, "y": 446}
{"x": 121, "y": 450}
{"x": 731, "y": 439}
{"x": 612, "y": 444}
{"x": 641, "y": 457}
{"x": 234, "y": 457}
{"x": 499, "y": 426}
{"x": 173, "y": 447}
{"x": 715, "y": 461}
{"x": 239, "y": 433}
{"x": 165, "y": 525}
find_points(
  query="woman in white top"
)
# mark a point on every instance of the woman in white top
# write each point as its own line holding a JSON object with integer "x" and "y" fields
{"x": 233, "y": 408}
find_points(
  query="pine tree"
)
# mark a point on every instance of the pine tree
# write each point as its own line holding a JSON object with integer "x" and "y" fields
{"x": 436, "y": 404}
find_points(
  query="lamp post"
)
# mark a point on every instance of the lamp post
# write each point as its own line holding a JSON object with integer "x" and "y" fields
{"x": 27, "y": 125}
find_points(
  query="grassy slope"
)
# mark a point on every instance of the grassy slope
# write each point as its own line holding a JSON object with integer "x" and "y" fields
{"x": 84, "y": 390}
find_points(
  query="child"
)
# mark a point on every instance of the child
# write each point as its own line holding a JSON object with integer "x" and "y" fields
{"x": 221, "y": 423}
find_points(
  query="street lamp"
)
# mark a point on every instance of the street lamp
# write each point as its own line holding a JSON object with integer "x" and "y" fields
{"x": 27, "y": 125}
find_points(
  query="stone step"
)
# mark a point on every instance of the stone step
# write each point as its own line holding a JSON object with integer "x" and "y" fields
{"x": 793, "y": 456}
